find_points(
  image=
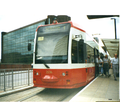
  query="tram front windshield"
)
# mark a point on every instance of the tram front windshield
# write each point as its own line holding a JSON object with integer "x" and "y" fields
{"x": 52, "y": 44}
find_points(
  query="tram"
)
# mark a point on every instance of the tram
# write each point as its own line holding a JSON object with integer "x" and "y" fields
{"x": 63, "y": 57}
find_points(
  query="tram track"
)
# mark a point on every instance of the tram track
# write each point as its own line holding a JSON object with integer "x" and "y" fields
{"x": 51, "y": 95}
{"x": 25, "y": 98}
{"x": 41, "y": 94}
{"x": 21, "y": 94}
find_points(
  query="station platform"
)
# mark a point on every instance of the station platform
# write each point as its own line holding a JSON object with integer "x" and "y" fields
{"x": 101, "y": 89}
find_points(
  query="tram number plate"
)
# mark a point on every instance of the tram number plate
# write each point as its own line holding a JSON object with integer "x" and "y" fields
{"x": 49, "y": 72}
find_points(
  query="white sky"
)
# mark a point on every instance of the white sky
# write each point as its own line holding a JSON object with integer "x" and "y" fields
{"x": 18, "y": 13}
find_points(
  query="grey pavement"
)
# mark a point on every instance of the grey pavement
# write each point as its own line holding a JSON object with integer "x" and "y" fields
{"x": 102, "y": 89}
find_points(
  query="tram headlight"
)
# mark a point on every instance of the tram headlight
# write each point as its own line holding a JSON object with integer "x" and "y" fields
{"x": 63, "y": 74}
{"x": 37, "y": 73}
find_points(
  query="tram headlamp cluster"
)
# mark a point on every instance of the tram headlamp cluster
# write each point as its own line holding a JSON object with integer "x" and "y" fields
{"x": 63, "y": 74}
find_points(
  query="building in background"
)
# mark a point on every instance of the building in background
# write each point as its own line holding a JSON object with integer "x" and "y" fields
{"x": 15, "y": 51}
{"x": 14, "y": 44}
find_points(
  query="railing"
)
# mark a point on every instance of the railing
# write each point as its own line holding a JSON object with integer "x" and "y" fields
{"x": 11, "y": 79}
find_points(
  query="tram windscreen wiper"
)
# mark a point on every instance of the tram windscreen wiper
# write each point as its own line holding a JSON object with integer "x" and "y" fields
{"x": 40, "y": 58}
{"x": 46, "y": 65}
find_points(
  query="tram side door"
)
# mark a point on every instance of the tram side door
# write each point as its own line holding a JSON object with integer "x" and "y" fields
{"x": 96, "y": 54}
{"x": 82, "y": 56}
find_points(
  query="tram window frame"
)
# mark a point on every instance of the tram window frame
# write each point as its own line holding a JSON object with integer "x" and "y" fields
{"x": 57, "y": 30}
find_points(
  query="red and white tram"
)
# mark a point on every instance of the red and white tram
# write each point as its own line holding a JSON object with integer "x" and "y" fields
{"x": 63, "y": 57}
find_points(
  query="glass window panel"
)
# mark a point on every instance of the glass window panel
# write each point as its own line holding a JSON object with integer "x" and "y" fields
{"x": 90, "y": 54}
{"x": 74, "y": 51}
{"x": 15, "y": 45}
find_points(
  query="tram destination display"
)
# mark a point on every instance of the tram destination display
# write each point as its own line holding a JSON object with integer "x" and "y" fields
{"x": 54, "y": 29}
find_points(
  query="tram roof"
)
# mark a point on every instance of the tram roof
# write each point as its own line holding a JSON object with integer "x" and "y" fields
{"x": 112, "y": 46}
{"x": 74, "y": 25}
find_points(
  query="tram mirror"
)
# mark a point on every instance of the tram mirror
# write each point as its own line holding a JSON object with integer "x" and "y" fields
{"x": 29, "y": 46}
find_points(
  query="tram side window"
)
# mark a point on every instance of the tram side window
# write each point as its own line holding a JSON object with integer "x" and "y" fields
{"x": 74, "y": 51}
{"x": 90, "y": 54}
{"x": 81, "y": 51}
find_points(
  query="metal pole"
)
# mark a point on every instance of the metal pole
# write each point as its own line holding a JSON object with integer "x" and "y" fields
{"x": 115, "y": 27}
{"x": 4, "y": 81}
{"x": 28, "y": 78}
{"x": 12, "y": 81}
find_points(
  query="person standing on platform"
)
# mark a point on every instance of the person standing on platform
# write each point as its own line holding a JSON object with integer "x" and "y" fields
{"x": 114, "y": 65}
{"x": 97, "y": 66}
{"x": 106, "y": 65}
{"x": 100, "y": 65}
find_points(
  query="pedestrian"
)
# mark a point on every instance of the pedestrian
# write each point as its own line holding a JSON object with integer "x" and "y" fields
{"x": 100, "y": 66}
{"x": 114, "y": 65}
{"x": 106, "y": 65}
{"x": 97, "y": 66}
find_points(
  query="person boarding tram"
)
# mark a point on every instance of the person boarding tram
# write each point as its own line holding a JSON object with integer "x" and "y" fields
{"x": 100, "y": 65}
{"x": 97, "y": 65}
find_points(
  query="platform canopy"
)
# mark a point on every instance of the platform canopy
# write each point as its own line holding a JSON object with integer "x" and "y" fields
{"x": 112, "y": 46}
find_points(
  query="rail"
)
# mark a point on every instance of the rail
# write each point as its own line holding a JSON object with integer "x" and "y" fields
{"x": 11, "y": 79}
